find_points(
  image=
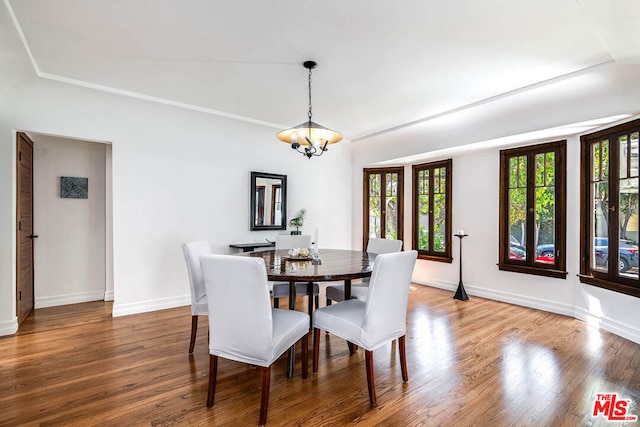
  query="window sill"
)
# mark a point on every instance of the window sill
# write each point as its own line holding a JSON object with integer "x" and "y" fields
{"x": 612, "y": 286}
{"x": 547, "y": 272}
{"x": 446, "y": 259}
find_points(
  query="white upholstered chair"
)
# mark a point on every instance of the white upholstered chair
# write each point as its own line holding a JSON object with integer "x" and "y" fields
{"x": 242, "y": 325}
{"x": 359, "y": 290}
{"x": 285, "y": 241}
{"x": 192, "y": 252}
{"x": 378, "y": 320}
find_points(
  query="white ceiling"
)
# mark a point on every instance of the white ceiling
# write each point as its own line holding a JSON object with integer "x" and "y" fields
{"x": 383, "y": 65}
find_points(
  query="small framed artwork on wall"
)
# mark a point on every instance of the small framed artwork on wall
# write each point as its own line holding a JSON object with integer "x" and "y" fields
{"x": 72, "y": 187}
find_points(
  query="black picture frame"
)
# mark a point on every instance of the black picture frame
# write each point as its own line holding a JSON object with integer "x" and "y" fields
{"x": 266, "y": 211}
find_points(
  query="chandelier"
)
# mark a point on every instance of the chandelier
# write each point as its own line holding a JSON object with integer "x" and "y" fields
{"x": 309, "y": 138}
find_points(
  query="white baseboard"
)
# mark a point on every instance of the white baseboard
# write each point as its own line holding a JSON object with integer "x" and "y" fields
{"x": 9, "y": 328}
{"x": 75, "y": 298}
{"x": 108, "y": 295}
{"x": 608, "y": 324}
{"x": 152, "y": 305}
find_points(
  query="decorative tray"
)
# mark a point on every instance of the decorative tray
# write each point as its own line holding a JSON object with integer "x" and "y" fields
{"x": 298, "y": 258}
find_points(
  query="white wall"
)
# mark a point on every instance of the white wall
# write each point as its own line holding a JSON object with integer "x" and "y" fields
{"x": 178, "y": 175}
{"x": 69, "y": 254}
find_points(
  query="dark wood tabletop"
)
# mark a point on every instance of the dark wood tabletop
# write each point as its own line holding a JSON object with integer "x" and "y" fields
{"x": 333, "y": 265}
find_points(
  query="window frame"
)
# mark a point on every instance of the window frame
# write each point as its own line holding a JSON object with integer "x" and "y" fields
{"x": 431, "y": 255}
{"x": 530, "y": 266}
{"x": 607, "y": 280}
{"x": 366, "y": 172}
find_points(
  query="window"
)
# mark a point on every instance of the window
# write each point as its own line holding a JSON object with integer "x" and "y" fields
{"x": 432, "y": 210}
{"x": 609, "y": 209}
{"x": 532, "y": 209}
{"x": 383, "y": 204}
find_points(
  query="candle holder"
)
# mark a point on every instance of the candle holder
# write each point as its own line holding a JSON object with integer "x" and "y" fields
{"x": 461, "y": 294}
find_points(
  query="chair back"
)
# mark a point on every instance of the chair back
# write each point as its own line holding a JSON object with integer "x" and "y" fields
{"x": 386, "y": 306}
{"x": 192, "y": 252}
{"x": 286, "y": 241}
{"x": 240, "y": 317}
{"x": 383, "y": 246}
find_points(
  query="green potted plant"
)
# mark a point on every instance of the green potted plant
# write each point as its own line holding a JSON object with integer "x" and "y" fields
{"x": 298, "y": 221}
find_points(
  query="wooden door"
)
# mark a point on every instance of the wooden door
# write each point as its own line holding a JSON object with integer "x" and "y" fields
{"x": 25, "y": 236}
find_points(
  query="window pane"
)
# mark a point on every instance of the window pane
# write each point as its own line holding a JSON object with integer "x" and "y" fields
{"x": 624, "y": 155}
{"x": 545, "y": 208}
{"x": 550, "y": 169}
{"x": 423, "y": 223}
{"x": 439, "y": 222}
{"x": 545, "y": 225}
{"x": 522, "y": 171}
{"x": 634, "y": 155}
{"x": 374, "y": 206}
{"x": 517, "y": 221}
{"x": 628, "y": 211}
{"x": 392, "y": 184}
{"x": 628, "y": 220}
{"x": 513, "y": 172}
{"x": 600, "y": 221}
{"x": 391, "y": 218}
{"x": 540, "y": 170}
{"x": 605, "y": 160}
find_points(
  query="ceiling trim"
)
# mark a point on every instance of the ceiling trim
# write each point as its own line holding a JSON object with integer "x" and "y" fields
{"x": 122, "y": 92}
{"x": 490, "y": 99}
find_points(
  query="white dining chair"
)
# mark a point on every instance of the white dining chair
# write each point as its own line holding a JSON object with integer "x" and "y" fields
{"x": 192, "y": 252}
{"x": 360, "y": 290}
{"x": 378, "y": 320}
{"x": 285, "y": 241}
{"x": 243, "y": 326}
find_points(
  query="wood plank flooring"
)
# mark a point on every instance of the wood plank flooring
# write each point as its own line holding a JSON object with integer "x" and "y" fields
{"x": 474, "y": 363}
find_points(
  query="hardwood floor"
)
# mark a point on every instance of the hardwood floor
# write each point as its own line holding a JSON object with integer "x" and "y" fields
{"x": 474, "y": 363}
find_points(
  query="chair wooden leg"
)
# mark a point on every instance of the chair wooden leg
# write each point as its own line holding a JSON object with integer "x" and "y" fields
{"x": 276, "y": 302}
{"x": 316, "y": 348}
{"x": 264, "y": 401}
{"x": 194, "y": 330}
{"x": 352, "y": 348}
{"x": 368, "y": 355}
{"x": 213, "y": 374}
{"x": 305, "y": 356}
{"x": 403, "y": 358}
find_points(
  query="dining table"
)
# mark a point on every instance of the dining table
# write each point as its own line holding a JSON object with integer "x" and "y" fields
{"x": 328, "y": 266}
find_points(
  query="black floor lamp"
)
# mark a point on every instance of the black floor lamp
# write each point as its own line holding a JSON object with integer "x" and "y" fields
{"x": 461, "y": 294}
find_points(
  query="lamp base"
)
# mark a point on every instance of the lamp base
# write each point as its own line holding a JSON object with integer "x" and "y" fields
{"x": 461, "y": 294}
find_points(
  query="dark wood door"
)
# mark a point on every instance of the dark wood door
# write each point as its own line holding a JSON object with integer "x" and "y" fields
{"x": 25, "y": 236}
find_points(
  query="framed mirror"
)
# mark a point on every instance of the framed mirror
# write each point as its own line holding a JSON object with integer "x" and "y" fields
{"x": 268, "y": 201}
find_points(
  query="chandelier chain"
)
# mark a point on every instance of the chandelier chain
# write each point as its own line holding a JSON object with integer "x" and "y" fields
{"x": 310, "y": 114}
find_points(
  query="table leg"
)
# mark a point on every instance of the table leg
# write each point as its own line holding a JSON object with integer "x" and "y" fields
{"x": 347, "y": 289}
{"x": 292, "y": 349}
